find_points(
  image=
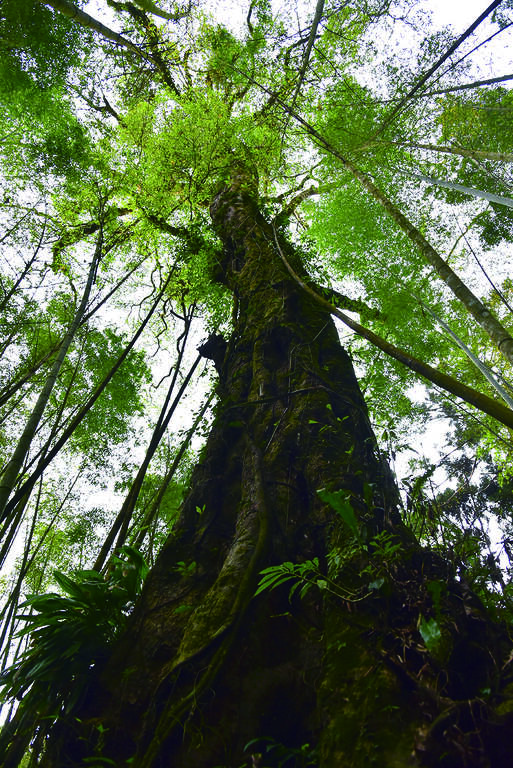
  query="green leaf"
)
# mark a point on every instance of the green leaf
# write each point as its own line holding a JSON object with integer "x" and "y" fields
{"x": 340, "y": 504}
{"x": 68, "y": 585}
{"x": 430, "y": 632}
{"x": 182, "y": 609}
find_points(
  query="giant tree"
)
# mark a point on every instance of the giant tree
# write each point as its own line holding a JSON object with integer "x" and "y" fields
{"x": 291, "y": 610}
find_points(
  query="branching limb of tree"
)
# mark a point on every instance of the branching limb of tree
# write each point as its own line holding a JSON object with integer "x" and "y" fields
{"x": 87, "y": 21}
{"x": 319, "y": 8}
{"x": 495, "y": 330}
{"x": 155, "y": 43}
{"x": 466, "y": 86}
{"x": 474, "y": 154}
{"x": 287, "y": 211}
{"x": 26, "y": 268}
{"x": 76, "y": 234}
{"x": 442, "y": 380}
{"x": 150, "y": 7}
{"x": 106, "y": 107}
{"x": 346, "y": 302}
{"x": 425, "y": 77}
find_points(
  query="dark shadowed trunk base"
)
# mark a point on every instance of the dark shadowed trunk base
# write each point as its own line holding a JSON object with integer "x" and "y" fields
{"x": 205, "y": 667}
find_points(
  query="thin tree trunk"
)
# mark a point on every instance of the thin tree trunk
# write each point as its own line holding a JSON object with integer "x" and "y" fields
{"x": 144, "y": 468}
{"x": 15, "y": 463}
{"x": 11, "y": 604}
{"x": 10, "y": 607}
{"x": 124, "y": 517}
{"x": 10, "y": 535}
{"x": 9, "y": 390}
{"x": 489, "y": 196}
{"x": 474, "y": 154}
{"x": 42, "y": 465}
{"x": 151, "y": 513}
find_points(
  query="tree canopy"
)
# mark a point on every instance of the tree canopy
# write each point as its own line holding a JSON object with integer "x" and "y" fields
{"x": 380, "y": 148}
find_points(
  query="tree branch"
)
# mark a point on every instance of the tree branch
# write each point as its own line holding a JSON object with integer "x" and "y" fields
{"x": 154, "y": 42}
{"x": 467, "y": 86}
{"x": 448, "y": 383}
{"x": 87, "y": 21}
{"x": 425, "y": 77}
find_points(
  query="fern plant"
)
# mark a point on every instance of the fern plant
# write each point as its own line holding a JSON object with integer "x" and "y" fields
{"x": 305, "y": 576}
{"x": 69, "y": 633}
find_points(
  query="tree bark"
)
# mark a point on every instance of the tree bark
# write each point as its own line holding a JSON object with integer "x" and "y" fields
{"x": 205, "y": 667}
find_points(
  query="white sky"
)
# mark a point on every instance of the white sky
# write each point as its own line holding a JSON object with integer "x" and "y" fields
{"x": 459, "y": 13}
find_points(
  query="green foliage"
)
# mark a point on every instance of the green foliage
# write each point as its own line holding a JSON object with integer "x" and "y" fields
{"x": 339, "y": 502}
{"x": 70, "y": 633}
{"x": 85, "y": 127}
{"x": 179, "y": 152}
{"x": 38, "y": 49}
{"x": 276, "y": 755}
{"x": 305, "y": 575}
{"x": 469, "y": 523}
{"x": 431, "y": 633}
{"x": 185, "y": 569}
{"x": 348, "y": 115}
{"x": 478, "y": 121}
{"x": 108, "y": 423}
{"x": 36, "y": 43}
{"x": 64, "y": 534}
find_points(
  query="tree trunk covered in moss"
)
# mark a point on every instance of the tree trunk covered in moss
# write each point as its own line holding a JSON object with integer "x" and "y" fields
{"x": 205, "y": 667}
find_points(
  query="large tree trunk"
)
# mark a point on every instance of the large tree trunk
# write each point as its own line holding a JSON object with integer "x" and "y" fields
{"x": 205, "y": 667}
